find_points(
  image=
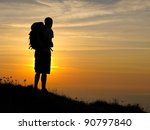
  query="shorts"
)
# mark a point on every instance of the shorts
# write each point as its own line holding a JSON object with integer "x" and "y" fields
{"x": 42, "y": 61}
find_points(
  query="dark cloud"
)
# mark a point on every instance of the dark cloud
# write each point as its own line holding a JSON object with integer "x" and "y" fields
{"x": 106, "y": 2}
{"x": 17, "y": 1}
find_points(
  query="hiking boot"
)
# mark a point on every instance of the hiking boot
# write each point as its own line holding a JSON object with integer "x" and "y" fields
{"x": 45, "y": 91}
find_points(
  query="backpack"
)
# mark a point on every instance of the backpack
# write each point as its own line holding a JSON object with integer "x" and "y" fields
{"x": 36, "y": 35}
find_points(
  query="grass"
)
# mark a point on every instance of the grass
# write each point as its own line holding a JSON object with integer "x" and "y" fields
{"x": 17, "y": 98}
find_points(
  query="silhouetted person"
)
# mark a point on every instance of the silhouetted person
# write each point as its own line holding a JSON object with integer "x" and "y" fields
{"x": 43, "y": 55}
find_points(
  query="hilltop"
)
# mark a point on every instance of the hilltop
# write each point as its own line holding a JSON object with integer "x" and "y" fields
{"x": 16, "y": 98}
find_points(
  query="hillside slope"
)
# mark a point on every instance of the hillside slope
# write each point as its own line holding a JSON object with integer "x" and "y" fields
{"x": 15, "y": 98}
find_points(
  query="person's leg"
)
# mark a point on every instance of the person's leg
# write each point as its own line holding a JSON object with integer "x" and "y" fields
{"x": 43, "y": 80}
{"x": 36, "y": 80}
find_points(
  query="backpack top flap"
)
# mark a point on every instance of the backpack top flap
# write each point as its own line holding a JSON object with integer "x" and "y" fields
{"x": 36, "y": 35}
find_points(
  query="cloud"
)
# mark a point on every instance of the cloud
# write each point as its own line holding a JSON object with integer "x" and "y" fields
{"x": 104, "y": 2}
{"x": 80, "y": 13}
{"x": 83, "y": 24}
{"x": 70, "y": 13}
{"x": 20, "y": 13}
{"x": 77, "y": 9}
{"x": 17, "y": 1}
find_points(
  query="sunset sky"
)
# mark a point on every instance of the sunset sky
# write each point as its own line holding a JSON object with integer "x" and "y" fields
{"x": 101, "y": 47}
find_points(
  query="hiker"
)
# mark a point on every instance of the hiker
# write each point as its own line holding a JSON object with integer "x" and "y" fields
{"x": 43, "y": 55}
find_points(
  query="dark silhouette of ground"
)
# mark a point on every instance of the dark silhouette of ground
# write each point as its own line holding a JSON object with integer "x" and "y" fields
{"x": 15, "y": 98}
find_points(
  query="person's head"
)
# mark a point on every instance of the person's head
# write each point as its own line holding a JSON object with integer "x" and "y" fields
{"x": 48, "y": 22}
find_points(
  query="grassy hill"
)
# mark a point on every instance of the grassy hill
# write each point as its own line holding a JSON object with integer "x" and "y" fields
{"x": 16, "y": 98}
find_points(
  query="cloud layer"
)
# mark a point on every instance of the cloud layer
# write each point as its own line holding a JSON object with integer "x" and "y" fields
{"x": 70, "y": 13}
{"x": 77, "y": 13}
{"x": 123, "y": 18}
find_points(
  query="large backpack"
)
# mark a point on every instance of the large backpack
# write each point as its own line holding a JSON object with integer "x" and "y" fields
{"x": 36, "y": 35}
